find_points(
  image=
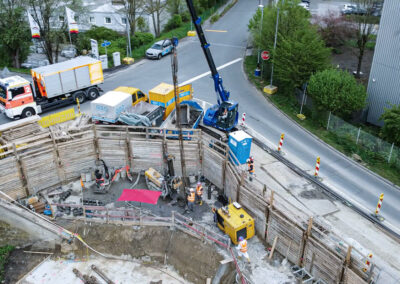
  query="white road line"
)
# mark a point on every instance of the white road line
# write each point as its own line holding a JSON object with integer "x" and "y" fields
{"x": 227, "y": 45}
{"x": 209, "y": 72}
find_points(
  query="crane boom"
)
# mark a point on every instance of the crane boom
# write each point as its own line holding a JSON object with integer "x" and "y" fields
{"x": 219, "y": 88}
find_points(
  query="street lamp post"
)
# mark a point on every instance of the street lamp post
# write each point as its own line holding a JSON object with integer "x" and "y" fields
{"x": 258, "y": 72}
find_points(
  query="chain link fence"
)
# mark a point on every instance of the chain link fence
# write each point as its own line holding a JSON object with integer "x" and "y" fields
{"x": 366, "y": 141}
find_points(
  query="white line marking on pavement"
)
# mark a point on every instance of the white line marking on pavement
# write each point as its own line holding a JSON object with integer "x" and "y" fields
{"x": 209, "y": 72}
{"x": 226, "y": 45}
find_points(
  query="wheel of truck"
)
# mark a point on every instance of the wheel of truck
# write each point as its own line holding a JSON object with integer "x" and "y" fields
{"x": 80, "y": 96}
{"x": 92, "y": 93}
{"x": 159, "y": 56}
{"x": 28, "y": 112}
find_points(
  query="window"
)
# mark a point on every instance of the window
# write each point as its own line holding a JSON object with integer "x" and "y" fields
{"x": 123, "y": 21}
{"x": 107, "y": 20}
{"x": 61, "y": 19}
{"x": 92, "y": 20}
{"x": 17, "y": 91}
{"x": 134, "y": 98}
{"x": 3, "y": 93}
{"x": 140, "y": 95}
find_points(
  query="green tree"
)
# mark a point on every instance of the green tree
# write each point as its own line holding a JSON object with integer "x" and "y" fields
{"x": 14, "y": 31}
{"x": 299, "y": 52}
{"x": 391, "y": 128}
{"x": 336, "y": 91}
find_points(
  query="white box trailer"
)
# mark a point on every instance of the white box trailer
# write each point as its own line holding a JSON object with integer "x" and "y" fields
{"x": 109, "y": 106}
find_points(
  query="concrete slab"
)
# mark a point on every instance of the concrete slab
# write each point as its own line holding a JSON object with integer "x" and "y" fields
{"x": 60, "y": 271}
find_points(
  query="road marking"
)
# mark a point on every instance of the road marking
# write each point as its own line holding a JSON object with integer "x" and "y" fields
{"x": 217, "y": 31}
{"x": 226, "y": 45}
{"x": 209, "y": 72}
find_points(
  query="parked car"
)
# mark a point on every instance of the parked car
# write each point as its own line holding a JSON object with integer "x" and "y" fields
{"x": 306, "y": 1}
{"x": 34, "y": 63}
{"x": 351, "y": 9}
{"x": 159, "y": 49}
{"x": 305, "y": 6}
{"x": 69, "y": 52}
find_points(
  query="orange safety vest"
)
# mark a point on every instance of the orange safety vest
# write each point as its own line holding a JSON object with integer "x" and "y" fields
{"x": 199, "y": 190}
{"x": 243, "y": 246}
{"x": 250, "y": 167}
{"x": 191, "y": 197}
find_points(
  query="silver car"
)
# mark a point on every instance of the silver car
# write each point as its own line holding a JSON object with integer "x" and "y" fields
{"x": 69, "y": 52}
{"x": 34, "y": 63}
{"x": 159, "y": 49}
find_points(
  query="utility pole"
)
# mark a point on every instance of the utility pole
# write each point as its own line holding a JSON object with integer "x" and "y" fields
{"x": 174, "y": 65}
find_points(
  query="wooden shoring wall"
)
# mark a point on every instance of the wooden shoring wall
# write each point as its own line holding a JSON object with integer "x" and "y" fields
{"x": 322, "y": 262}
{"x": 40, "y": 170}
{"x": 290, "y": 236}
{"x": 11, "y": 182}
{"x": 350, "y": 277}
{"x": 146, "y": 154}
{"x": 231, "y": 183}
{"x": 213, "y": 166}
{"x": 76, "y": 156}
{"x": 113, "y": 152}
{"x": 192, "y": 158}
{"x": 256, "y": 207}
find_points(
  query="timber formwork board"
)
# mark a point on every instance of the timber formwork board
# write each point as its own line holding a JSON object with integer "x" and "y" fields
{"x": 10, "y": 179}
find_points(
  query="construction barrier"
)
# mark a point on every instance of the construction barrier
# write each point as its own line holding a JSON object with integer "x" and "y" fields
{"x": 281, "y": 142}
{"x": 317, "y": 166}
{"x": 242, "y": 122}
{"x": 367, "y": 262}
{"x": 379, "y": 205}
{"x": 55, "y": 118}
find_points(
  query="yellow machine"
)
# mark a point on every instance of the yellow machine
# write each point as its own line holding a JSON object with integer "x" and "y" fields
{"x": 137, "y": 94}
{"x": 234, "y": 221}
{"x": 163, "y": 95}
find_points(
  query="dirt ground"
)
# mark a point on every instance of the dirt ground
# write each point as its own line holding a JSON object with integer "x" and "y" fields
{"x": 347, "y": 60}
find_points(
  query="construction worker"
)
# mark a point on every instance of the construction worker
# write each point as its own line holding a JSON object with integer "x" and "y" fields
{"x": 199, "y": 193}
{"x": 250, "y": 167}
{"x": 214, "y": 211}
{"x": 242, "y": 248}
{"x": 191, "y": 197}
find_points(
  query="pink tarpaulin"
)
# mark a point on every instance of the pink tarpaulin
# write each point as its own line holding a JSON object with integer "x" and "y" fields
{"x": 140, "y": 195}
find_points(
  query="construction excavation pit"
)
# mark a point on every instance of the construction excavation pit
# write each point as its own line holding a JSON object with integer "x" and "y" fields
{"x": 121, "y": 204}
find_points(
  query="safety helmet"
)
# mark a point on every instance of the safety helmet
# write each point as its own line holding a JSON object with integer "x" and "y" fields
{"x": 191, "y": 190}
{"x": 241, "y": 238}
{"x": 251, "y": 158}
{"x": 199, "y": 183}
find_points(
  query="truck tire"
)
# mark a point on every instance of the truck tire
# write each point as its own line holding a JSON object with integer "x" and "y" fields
{"x": 80, "y": 96}
{"x": 92, "y": 93}
{"x": 28, "y": 112}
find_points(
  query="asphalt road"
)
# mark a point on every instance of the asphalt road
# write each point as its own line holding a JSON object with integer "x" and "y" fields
{"x": 228, "y": 43}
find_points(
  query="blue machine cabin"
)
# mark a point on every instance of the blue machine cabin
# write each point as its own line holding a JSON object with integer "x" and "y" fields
{"x": 240, "y": 145}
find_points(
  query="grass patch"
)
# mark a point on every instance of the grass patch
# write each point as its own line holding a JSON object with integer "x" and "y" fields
{"x": 4, "y": 254}
{"x": 288, "y": 104}
{"x": 19, "y": 70}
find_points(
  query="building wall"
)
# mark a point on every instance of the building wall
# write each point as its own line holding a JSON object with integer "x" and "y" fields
{"x": 384, "y": 79}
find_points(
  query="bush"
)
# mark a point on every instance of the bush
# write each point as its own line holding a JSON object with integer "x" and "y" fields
{"x": 102, "y": 33}
{"x": 173, "y": 23}
{"x": 140, "y": 39}
{"x": 391, "y": 128}
{"x": 214, "y": 18}
{"x": 186, "y": 17}
{"x": 142, "y": 25}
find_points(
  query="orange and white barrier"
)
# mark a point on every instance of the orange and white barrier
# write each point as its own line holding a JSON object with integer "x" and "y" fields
{"x": 378, "y": 207}
{"x": 367, "y": 263}
{"x": 281, "y": 142}
{"x": 317, "y": 166}
{"x": 242, "y": 122}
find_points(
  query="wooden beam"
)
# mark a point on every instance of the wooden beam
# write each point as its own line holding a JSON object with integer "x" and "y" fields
{"x": 22, "y": 175}
{"x": 310, "y": 222}
{"x": 273, "y": 248}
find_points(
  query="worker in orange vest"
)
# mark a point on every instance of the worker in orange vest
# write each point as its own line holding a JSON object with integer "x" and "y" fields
{"x": 242, "y": 248}
{"x": 199, "y": 193}
{"x": 250, "y": 167}
{"x": 191, "y": 197}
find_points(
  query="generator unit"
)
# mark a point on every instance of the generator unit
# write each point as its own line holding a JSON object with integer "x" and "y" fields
{"x": 234, "y": 221}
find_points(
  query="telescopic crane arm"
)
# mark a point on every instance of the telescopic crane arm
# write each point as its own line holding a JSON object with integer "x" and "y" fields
{"x": 219, "y": 88}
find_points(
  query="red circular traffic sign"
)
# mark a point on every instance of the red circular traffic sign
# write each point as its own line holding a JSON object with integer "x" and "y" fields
{"x": 265, "y": 55}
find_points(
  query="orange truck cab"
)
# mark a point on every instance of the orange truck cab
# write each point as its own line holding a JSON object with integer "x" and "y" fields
{"x": 53, "y": 86}
{"x": 16, "y": 98}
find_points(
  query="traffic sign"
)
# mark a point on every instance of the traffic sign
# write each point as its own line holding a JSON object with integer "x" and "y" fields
{"x": 106, "y": 43}
{"x": 265, "y": 55}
